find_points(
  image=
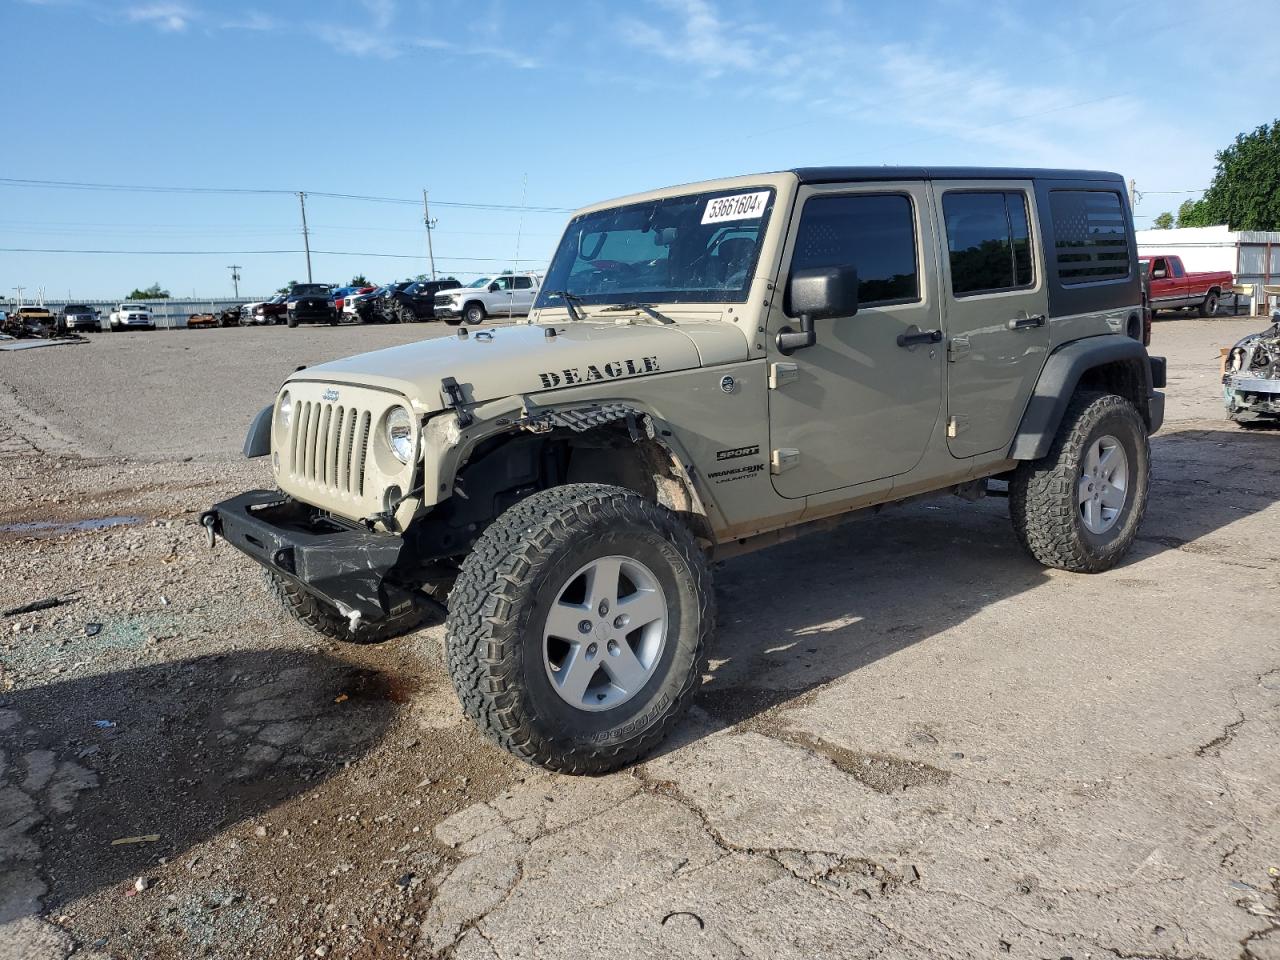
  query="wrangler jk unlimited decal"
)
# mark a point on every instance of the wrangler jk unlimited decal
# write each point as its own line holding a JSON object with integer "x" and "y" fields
{"x": 736, "y": 473}
{"x": 612, "y": 370}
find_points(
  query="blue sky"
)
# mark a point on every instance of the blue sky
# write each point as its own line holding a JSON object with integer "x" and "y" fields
{"x": 552, "y": 105}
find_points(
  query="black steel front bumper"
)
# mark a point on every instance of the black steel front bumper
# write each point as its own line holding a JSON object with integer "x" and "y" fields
{"x": 346, "y": 567}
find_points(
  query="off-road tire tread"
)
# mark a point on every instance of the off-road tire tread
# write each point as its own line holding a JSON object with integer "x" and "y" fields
{"x": 1042, "y": 492}
{"x": 481, "y": 636}
{"x": 319, "y": 617}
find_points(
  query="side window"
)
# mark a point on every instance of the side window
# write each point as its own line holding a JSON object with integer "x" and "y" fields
{"x": 524, "y": 283}
{"x": 1091, "y": 236}
{"x": 1177, "y": 268}
{"x": 1160, "y": 265}
{"x": 989, "y": 240}
{"x": 504, "y": 283}
{"x": 874, "y": 232}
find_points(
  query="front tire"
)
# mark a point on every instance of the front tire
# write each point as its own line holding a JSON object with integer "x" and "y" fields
{"x": 292, "y": 321}
{"x": 1078, "y": 508}
{"x": 577, "y": 627}
{"x": 319, "y": 617}
{"x": 474, "y": 313}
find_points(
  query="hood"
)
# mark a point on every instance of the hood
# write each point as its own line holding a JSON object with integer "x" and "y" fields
{"x": 495, "y": 363}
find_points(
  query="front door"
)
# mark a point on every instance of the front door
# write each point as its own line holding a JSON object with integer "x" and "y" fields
{"x": 996, "y": 306}
{"x": 861, "y": 404}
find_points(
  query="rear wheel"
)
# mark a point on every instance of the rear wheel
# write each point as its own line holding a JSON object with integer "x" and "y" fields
{"x": 474, "y": 313}
{"x": 1210, "y": 306}
{"x": 1078, "y": 508}
{"x": 577, "y": 627}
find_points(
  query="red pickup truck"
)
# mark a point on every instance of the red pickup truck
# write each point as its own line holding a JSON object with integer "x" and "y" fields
{"x": 1172, "y": 287}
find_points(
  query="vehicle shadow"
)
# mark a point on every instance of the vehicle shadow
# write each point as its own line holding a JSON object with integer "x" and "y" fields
{"x": 800, "y": 615}
{"x": 170, "y": 753}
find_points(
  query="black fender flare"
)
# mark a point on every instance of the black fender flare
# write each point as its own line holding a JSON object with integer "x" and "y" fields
{"x": 1060, "y": 377}
{"x": 257, "y": 442}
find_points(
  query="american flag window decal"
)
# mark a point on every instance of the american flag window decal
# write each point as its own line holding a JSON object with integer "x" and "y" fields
{"x": 1090, "y": 235}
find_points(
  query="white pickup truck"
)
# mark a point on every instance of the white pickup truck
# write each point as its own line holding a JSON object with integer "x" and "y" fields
{"x": 509, "y": 295}
{"x": 131, "y": 316}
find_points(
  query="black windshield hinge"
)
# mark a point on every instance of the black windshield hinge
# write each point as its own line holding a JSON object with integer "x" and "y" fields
{"x": 454, "y": 400}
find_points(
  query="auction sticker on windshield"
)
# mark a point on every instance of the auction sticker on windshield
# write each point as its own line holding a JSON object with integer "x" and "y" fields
{"x": 741, "y": 206}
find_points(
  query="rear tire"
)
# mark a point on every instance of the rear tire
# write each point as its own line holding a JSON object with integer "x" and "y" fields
{"x": 601, "y": 698}
{"x": 1059, "y": 503}
{"x": 1210, "y": 306}
{"x": 319, "y": 617}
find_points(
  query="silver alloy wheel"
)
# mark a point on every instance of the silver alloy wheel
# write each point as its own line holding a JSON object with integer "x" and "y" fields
{"x": 1104, "y": 484}
{"x": 605, "y": 633}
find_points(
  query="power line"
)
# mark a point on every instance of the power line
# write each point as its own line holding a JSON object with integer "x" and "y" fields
{"x": 265, "y": 191}
{"x": 248, "y": 253}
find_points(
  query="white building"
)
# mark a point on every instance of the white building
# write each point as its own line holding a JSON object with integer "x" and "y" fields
{"x": 1252, "y": 255}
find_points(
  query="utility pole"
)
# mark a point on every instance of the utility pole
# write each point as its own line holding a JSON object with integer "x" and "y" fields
{"x": 431, "y": 225}
{"x": 235, "y": 278}
{"x": 1133, "y": 193}
{"x": 306, "y": 237}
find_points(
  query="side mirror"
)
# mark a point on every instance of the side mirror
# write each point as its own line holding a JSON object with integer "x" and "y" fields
{"x": 1157, "y": 274}
{"x": 493, "y": 288}
{"x": 816, "y": 294}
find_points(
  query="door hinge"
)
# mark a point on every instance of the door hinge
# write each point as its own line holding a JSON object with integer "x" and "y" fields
{"x": 783, "y": 460}
{"x": 780, "y": 373}
{"x": 957, "y": 348}
{"x": 957, "y": 425}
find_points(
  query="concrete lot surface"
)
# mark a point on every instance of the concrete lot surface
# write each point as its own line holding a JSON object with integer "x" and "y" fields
{"x": 912, "y": 741}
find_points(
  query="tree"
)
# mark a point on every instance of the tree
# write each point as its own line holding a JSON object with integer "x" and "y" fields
{"x": 1243, "y": 193}
{"x": 1194, "y": 213}
{"x": 153, "y": 292}
{"x": 1164, "y": 221}
{"x": 359, "y": 280}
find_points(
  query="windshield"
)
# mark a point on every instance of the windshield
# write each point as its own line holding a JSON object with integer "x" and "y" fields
{"x": 695, "y": 248}
{"x": 310, "y": 290}
{"x": 77, "y": 308}
{"x": 1145, "y": 265}
{"x": 482, "y": 282}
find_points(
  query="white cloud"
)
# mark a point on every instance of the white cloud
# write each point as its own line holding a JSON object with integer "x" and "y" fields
{"x": 703, "y": 38}
{"x": 253, "y": 20}
{"x": 169, "y": 17}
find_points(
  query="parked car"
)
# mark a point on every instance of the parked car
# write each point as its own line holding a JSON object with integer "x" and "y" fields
{"x": 33, "y": 321}
{"x": 342, "y": 294}
{"x": 415, "y": 301}
{"x": 131, "y": 316}
{"x": 510, "y": 295}
{"x": 748, "y": 357}
{"x": 264, "y": 311}
{"x": 353, "y": 305}
{"x": 226, "y": 317}
{"x": 79, "y": 316}
{"x": 309, "y": 303}
{"x": 1173, "y": 287}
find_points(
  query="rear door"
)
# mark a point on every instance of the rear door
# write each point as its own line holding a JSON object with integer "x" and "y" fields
{"x": 522, "y": 295}
{"x": 996, "y": 304}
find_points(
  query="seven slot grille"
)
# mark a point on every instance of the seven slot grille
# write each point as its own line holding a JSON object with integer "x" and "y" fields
{"x": 330, "y": 445}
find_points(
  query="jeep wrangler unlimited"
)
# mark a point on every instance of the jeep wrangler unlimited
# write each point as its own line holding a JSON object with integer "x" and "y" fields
{"x": 708, "y": 369}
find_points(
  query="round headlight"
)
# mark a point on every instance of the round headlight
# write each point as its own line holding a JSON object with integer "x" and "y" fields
{"x": 400, "y": 433}
{"x": 285, "y": 409}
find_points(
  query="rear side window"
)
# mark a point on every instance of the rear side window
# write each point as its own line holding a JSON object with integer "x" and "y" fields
{"x": 524, "y": 283}
{"x": 874, "y": 232}
{"x": 1091, "y": 235}
{"x": 1177, "y": 268}
{"x": 988, "y": 240}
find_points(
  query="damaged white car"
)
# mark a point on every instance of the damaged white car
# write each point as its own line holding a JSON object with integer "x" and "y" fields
{"x": 1251, "y": 377}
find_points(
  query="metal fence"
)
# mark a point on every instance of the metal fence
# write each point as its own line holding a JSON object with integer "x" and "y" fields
{"x": 169, "y": 314}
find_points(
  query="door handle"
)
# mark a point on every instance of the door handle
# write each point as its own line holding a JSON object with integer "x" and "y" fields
{"x": 915, "y": 335}
{"x": 1025, "y": 323}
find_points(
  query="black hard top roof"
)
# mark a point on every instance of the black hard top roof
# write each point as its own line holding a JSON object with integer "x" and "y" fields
{"x": 848, "y": 174}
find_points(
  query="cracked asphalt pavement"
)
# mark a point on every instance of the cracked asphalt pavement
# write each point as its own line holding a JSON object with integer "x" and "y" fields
{"x": 911, "y": 741}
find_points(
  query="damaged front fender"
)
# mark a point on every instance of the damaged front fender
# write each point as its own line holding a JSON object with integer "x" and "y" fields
{"x": 1251, "y": 377}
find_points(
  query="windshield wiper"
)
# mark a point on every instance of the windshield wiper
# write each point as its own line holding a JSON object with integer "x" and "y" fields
{"x": 569, "y": 303}
{"x": 642, "y": 307}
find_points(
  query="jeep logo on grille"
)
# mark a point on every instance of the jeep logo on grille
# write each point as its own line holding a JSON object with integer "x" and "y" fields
{"x": 331, "y": 395}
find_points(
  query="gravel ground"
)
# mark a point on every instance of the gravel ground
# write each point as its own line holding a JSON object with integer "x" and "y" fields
{"x": 921, "y": 745}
